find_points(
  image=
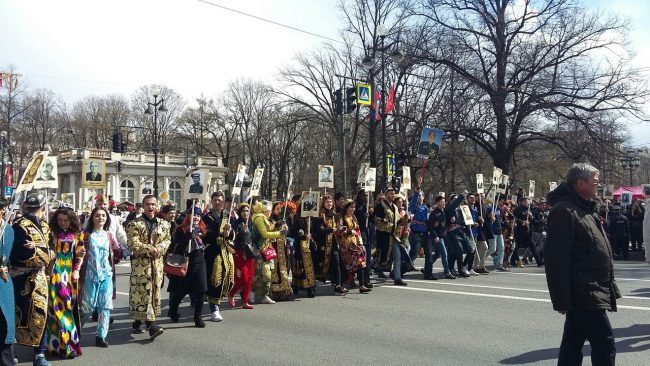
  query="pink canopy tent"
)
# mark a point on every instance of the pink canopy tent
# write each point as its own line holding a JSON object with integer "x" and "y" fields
{"x": 637, "y": 192}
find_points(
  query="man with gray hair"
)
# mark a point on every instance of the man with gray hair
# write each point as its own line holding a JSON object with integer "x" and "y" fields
{"x": 579, "y": 269}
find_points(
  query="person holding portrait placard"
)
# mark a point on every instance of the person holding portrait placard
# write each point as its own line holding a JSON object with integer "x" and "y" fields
{"x": 220, "y": 264}
{"x": 327, "y": 257}
{"x": 302, "y": 268}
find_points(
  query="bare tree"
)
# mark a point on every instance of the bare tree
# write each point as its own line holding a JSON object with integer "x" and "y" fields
{"x": 166, "y": 124}
{"x": 531, "y": 59}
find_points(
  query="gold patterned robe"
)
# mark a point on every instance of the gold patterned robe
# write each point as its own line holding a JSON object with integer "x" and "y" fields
{"x": 146, "y": 271}
{"x": 220, "y": 265}
{"x": 30, "y": 268}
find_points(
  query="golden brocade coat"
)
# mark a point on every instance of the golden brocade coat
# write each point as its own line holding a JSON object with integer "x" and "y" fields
{"x": 146, "y": 271}
{"x": 30, "y": 269}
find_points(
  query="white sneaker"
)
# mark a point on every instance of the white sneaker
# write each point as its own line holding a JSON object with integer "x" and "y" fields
{"x": 464, "y": 269}
{"x": 473, "y": 273}
{"x": 267, "y": 300}
{"x": 216, "y": 317}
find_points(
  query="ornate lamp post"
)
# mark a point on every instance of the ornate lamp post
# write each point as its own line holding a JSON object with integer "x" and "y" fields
{"x": 158, "y": 106}
{"x": 370, "y": 64}
{"x": 631, "y": 162}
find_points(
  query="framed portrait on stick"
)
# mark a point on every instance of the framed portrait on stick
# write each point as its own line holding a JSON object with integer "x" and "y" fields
{"x": 240, "y": 175}
{"x": 552, "y": 186}
{"x": 609, "y": 192}
{"x": 310, "y": 204}
{"x": 47, "y": 176}
{"x": 363, "y": 170}
{"x": 479, "y": 184}
{"x": 28, "y": 179}
{"x": 195, "y": 184}
{"x": 257, "y": 182}
{"x": 531, "y": 189}
{"x": 503, "y": 185}
{"x": 371, "y": 179}
{"x": 326, "y": 176}
{"x": 496, "y": 176}
{"x": 406, "y": 178}
{"x": 467, "y": 215}
{"x": 429, "y": 143}
{"x": 93, "y": 174}
{"x": 626, "y": 198}
{"x": 68, "y": 199}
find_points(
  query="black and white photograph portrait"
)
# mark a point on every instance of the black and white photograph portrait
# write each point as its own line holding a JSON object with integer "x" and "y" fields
{"x": 310, "y": 204}
{"x": 326, "y": 176}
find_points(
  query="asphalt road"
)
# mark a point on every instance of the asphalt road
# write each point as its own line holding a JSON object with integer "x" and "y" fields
{"x": 495, "y": 319}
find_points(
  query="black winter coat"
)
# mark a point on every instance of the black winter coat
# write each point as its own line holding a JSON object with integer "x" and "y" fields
{"x": 578, "y": 256}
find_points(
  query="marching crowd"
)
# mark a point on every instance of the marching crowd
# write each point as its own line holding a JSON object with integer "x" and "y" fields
{"x": 58, "y": 272}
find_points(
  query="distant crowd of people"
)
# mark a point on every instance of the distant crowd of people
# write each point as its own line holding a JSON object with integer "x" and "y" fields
{"x": 63, "y": 267}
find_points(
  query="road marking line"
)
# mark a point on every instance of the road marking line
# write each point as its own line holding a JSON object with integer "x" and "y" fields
{"x": 504, "y": 288}
{"x": 498, "y": 296}
{"x": 122, "y": 293}
{"x": 479, "y": 286}
{"x": 544, "y": 274}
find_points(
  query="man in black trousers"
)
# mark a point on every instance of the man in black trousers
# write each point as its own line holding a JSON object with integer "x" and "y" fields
{"x": 579, "y": 269}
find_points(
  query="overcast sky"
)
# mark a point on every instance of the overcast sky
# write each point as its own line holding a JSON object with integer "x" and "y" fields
{"x": 90, "y": 47}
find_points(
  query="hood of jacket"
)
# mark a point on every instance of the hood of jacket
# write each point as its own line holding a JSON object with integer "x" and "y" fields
{"x": 564, "y": 192}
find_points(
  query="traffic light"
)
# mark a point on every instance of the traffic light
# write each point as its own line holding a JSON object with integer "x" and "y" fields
{"x": 117, "y": 142}
{"x": 338, "y": 102}
{"x": 351, "y": 99}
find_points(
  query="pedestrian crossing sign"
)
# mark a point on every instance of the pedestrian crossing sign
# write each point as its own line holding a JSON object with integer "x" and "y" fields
{"x": 364, "y": 94}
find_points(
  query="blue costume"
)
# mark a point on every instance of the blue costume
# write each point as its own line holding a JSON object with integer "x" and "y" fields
{"x": 7, "y": 311}
{"x": 97, "y": 272}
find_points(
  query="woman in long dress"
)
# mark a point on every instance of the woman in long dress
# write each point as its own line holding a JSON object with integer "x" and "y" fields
{"x": 98, "y": 271}
{"x": 302, "y": 265}
{"x": 63, "y": 323}
{"x": 327, "y": 258}
{"x": 280, "y": 285}
{"x": 353, "y": 253}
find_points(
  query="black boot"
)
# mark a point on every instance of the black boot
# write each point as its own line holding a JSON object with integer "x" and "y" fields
{"x": 100, "y": 342}
{"x": 198, "y": 313}
{"x": 174, "y": 302}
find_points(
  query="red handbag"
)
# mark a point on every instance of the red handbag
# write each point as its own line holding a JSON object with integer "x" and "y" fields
{"x": 269, "y": 253}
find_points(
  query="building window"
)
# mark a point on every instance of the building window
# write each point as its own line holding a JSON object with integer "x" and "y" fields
{"x": 175, "y": 193}
{"x": 127, "y": 190}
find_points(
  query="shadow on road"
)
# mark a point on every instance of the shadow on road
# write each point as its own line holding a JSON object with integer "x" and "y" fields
{"x": 635, "y": 338}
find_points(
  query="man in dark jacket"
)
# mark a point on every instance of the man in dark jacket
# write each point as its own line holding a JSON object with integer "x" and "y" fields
{"x": 523, "y": 233}
{"x": 436, "y": 224}
{"x": 579, "y": 269}
{"x": 618, "y": 228}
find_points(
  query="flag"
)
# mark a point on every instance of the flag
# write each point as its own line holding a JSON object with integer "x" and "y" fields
{"x": 390, "y": 104}
{"x": 8, "y": 176}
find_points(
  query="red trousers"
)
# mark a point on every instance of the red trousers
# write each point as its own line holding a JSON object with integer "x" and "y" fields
{"x": 244, "y": 273}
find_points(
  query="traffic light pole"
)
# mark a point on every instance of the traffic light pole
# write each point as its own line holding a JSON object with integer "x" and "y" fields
{"x": 343, "y": 155}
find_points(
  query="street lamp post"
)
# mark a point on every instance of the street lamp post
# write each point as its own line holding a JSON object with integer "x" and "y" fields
{"x": 631, "y": 162}
{"x": 369, "y": 63}
{"x": 157, "y": 106}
